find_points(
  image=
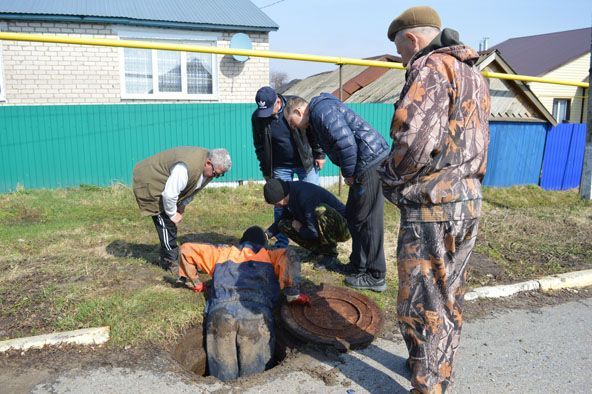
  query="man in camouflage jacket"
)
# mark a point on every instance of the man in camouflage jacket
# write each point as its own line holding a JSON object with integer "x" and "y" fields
{"x": 433, "y": 174}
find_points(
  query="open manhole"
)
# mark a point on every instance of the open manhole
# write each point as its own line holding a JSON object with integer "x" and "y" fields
{"x": 190, "y": 351}
{"x": 336, "y": 316}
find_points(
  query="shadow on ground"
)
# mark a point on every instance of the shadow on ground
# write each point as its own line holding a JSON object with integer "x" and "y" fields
{"x": 363, "y": 363}
{"x": 150, "y": 252}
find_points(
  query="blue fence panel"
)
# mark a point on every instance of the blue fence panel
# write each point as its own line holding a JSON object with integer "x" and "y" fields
{"x": 515, "y": 153}
{"x": 564, "y": 157}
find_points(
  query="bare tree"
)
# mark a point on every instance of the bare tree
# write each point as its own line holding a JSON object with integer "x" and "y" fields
{"x": 278, "y": 79}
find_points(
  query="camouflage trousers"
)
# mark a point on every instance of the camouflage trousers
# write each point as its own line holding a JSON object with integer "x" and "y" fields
{"x": 432, "y": 259}
{"x": 332, "y": 228}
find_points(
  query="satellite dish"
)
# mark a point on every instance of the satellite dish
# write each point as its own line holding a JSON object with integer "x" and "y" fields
{"x": 241, "y": 41}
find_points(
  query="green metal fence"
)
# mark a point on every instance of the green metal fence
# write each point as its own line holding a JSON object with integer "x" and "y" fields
{"x": 69, "y": 145}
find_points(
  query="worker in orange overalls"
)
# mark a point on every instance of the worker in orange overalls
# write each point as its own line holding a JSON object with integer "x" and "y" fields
{"x": 246, "y": 284}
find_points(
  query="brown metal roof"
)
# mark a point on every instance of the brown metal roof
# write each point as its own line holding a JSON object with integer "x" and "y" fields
{"x": 543, "y": 53}
{"x": 353, "y": 79}
{"x": 510, "y": 100}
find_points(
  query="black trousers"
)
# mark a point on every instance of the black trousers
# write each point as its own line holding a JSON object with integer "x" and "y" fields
{"x": 365, "y": 219}
{"x": 167, "y": 233}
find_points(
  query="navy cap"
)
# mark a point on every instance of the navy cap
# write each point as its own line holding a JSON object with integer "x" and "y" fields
{"x": 265, "y": 99}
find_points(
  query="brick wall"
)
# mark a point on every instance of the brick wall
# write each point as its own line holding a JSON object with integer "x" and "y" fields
{"x": 40, "y": 73}
{"x": 45, "y": 73}
{"x": 238, "y": 82}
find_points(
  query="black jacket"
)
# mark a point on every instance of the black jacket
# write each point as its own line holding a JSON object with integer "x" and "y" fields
{"x": 304, "y": 198}
{"x": 305, "y": 144}
{"x": 350, "y": 142}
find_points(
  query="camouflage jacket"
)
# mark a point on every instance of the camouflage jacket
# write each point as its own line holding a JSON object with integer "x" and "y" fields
{"x": 440, "y": 135}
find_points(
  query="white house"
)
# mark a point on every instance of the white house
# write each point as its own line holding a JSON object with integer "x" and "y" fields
{"x": 46, "y": 73}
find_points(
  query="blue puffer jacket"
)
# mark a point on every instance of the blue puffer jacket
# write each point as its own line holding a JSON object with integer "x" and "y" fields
{"x": 349, "y": 141}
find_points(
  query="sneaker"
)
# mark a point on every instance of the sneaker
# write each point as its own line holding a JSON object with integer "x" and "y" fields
{"x": 326, "y": 262}
{"x": 365, "y": 281}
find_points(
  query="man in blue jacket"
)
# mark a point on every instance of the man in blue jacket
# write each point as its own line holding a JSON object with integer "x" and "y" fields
{"x": 312, "y": 217}
{"x": 358, "y": 150}
{"x": 282, "y": 152}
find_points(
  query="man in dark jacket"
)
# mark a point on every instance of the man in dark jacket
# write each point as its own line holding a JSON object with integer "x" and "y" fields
{"x": 282, "y": 152}
{"x": 433, "y": 174}
{"x": 352, "y": 144}
{"x": 312, "y": 217}
{"x": 246, "y": 284}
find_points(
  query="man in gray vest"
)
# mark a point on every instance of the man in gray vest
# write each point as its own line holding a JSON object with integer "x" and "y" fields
{"x": 164, "y": 184}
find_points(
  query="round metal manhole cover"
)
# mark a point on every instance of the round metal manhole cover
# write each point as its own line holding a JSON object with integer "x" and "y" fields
{"x": 336, "y": 316}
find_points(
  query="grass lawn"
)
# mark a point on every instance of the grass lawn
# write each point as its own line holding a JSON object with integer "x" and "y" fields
{"x": 84, "y": 257}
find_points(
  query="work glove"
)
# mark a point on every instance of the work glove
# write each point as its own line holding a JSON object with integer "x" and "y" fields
{"x": 199, "y": 288}
{"x": 300, "y": 299}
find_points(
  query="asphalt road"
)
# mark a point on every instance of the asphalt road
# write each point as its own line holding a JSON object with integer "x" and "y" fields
{"x": 544, "y": 350}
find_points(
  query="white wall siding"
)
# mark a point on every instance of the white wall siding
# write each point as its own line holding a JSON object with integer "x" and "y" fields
{"x": 575, "y": 70}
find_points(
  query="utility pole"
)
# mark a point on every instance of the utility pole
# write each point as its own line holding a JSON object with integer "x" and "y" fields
{"x": 586, "y": 181}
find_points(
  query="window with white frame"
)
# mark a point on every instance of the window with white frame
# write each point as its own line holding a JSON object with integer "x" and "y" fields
{"x": 160, "y": 74}
{"x": 561, "y": 110}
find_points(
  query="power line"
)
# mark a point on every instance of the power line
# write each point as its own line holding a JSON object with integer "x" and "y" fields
{"x": 269, "y": 5}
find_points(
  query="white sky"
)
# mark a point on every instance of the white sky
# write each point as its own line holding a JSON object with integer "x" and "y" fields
{"x": 357, "y": 28}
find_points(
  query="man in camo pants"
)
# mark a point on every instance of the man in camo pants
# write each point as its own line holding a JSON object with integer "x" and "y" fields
{"x": 433, "y": 174}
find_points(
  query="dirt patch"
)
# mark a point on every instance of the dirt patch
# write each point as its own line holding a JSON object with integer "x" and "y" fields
{"x": 484, "y": 271}
{"x": 27, "y": 307}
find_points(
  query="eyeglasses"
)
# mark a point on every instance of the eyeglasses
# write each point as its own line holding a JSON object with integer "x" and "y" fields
{"x": 214, "y": 173}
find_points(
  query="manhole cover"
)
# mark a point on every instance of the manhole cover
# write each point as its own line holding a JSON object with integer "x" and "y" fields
{"x": 336, "y": 316}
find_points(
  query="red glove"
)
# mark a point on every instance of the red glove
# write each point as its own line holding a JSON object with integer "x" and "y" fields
{"x": 199, "y": 288}
{"x": 302, "y": 299}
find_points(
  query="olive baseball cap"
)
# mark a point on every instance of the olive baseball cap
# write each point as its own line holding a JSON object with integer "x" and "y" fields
{"x": 414, "y": 17}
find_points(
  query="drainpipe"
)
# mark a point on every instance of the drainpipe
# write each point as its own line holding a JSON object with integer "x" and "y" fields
{"x": 583, "y": 105}
{"x": 586, "y": 180}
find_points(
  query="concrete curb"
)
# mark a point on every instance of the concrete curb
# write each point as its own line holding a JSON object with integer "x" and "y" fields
{"x": 99, "y": 335}
{"x": 555, "y": 282}
{"x": 86, "y": 336}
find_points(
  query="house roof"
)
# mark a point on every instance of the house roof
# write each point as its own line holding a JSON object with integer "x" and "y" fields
{"x": 510, "y": 100}
{"x": 190, "y": 14}
{"x": 543, "y": 53}
{"x": 353, "y": 79}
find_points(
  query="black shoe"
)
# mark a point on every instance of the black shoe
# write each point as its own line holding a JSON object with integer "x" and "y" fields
{"x": 346, "y": 269}
{"x": 170, "y": 266}
{"x": 366, "y": 281}
{"x": 181, "y": 281}
{"x": 326, "y": 262}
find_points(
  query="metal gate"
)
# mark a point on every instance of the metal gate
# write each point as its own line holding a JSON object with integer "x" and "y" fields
{"x": 564, "y": 156}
